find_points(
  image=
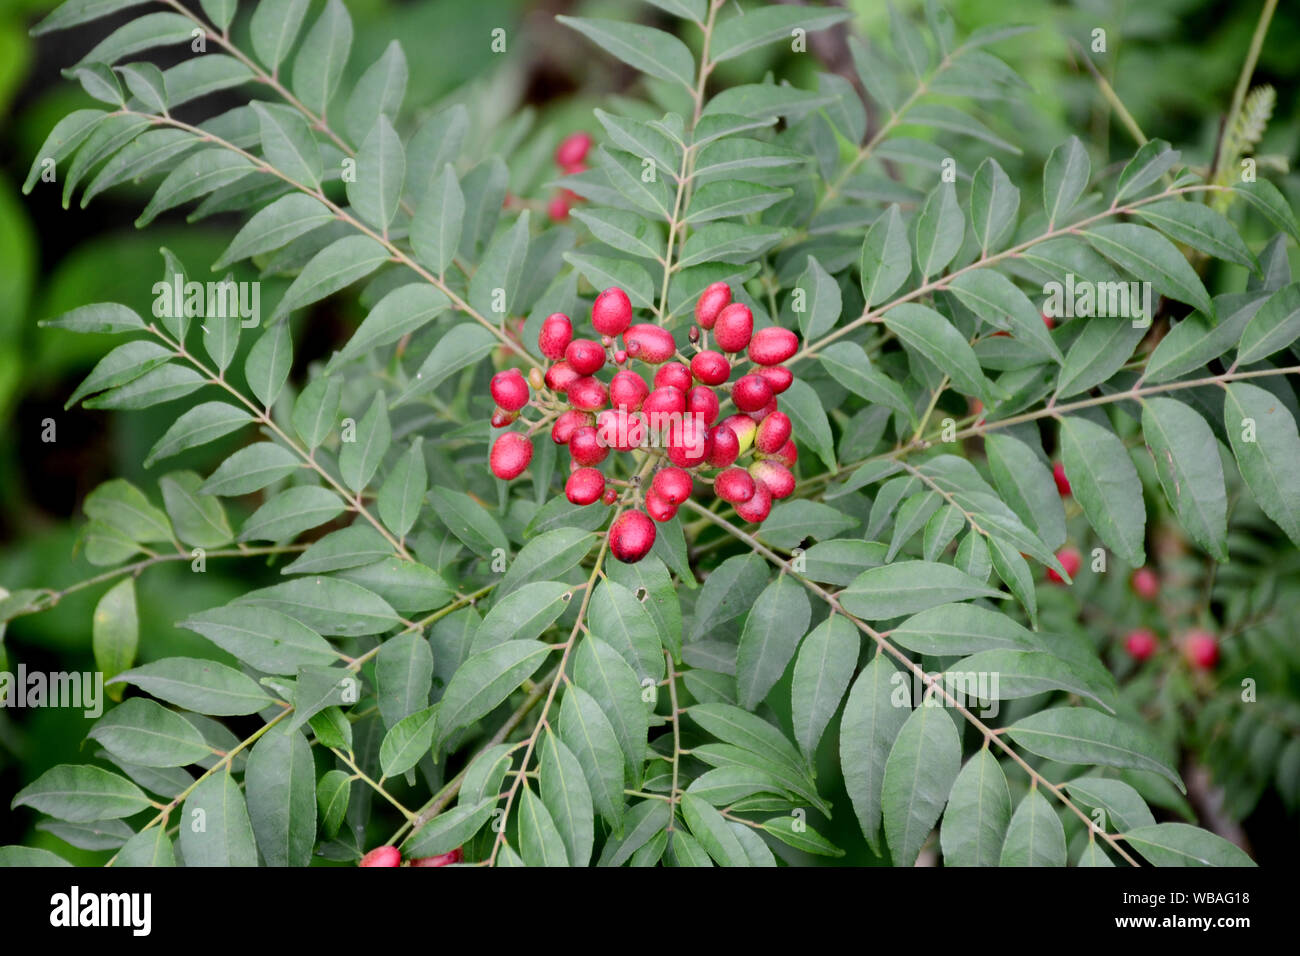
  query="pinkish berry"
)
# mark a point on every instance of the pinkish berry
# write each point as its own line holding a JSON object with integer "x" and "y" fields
{"x": 702, "y": 401}
{"x": 725, "y": 447}
{"x": 587, "y": 393}
{"x": 627, "y": 390}
{"x": 631, "y": 537}
{"x": 673, "y": 485}
{"x": 734, "y": 327}
{"x": 567, "y": 424}
{"x": 611, "y": 313}
{"x": 509, "y": 390}
{"x": 510, "y": 455}
{"x": 777, "y": 376}
{"x": 712, "y": 301}
{"x": 556, "y": 333}
{"x": 711, "y": 368}
{"x": 572, "y": 149}
{"x": 757, "y": 508}
{"x": 649, "y": 343}
{"x": 776, "y": 478}
{"x": 665, "y": 401}
{"x": 584, "y": 486}
{"x": 382, "y": 856}
{"x": 750, "y": 393}
{"x": 772, "y": 346}
{"x": 659, "y": 509}
{"x": 773, "y": 433}
{"x": 675, "y": 374}
{"x": 586, "y": 448}
{"x": 560, "y": 376}
{"x": 584, "y": 356}
{"x": 734, "y": 485}
{"x": 1140, "y": 644}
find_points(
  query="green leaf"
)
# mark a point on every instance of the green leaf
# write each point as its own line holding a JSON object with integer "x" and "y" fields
{"x": 1193, "y": 342}
{"x": 940, "y": 229}
{"x": 81, "y": 793}
{"x": 150, "y": 847}
{"x": 462, "y": 346}
{"x": 979, "y": 809}
{"x": 868, "y": 728}
{"x": 1275, "y": 326}
{"x": 727, "y": 242}
{"x": 1026, "y": 485}
{"x": 203, "y": 686}
{"x": 728, "y": 592}
{"x": 198, "y": 426}
{"x": 1187, "y": 462}
{"x": 336, "y": 266}
{"x": 805, "y": 409}
{"x": 403, "y": 490}
{"x": 1148, "y": 164}
{"x": 1103, "y": 347}
{"x": 123, "y": 506}
{"x": 725, "y": 159}
{"x": 268, "y": 362}
{"x": 292, "y": 512}
{"x": 652, "y": 585}
{"x": 565, "y": 794}
{"x": 408, "y": 741}
{"x": 333, "y": 793}
{"x": 1179, "y": 844}
{"x": 793, "y": 831}
{"x": 1200, "y": 227}
{"x": 226, "y": 837}
{"x": 919, "y": 774}
{"x": 350, "y": 547}
{"x": 280, "y": 783}
{"x": 195, "y": 176}
{"x": 994, "y": 298}
{"x": 619, "y": 619}
{"x": 886, "y": 259}
{"x": 468, "y": 521}
{"x": 403, "y": 678}
{"x": 1024, "y": 673}
{"x": 994, "y": 202}
{"x": 251, "y": 469}
{"x": 849, "y": 365}
{"x": 275, "y": 226}
{"x": 101, "y": 82}
{"x": 710, "y": 828}
{"x": 540, "y": 840}
{"x": 1083, "y": 736}
{"x": 651, "y": 51}
{"x": 793, "y": 521}
{"x": 1145, "y": 252}
{"x": 1269, "y": 202}
{"x": 720, "y": 200}
{"x": 263, "y": 638}
{"x": 1035, "y": 836}
{"x": 322, "y": 57}
{"x": 115, "y": 630}
{"x": 588, "y": 733}
{"x": 144, "y": 732}
{"x": 1124, "y": 807}
{"x": 483, "y": 682}
{"x": 108, "y": 317}
{"x": 273, "y": 27}
{"x": 546, "y": 557}
{"x": 288, "y": 144}
{"x": 906, "y": 587}
{"x": 1065, "y": 177}
{"x": 379, "y": 92}
{"x": 817, "y": 301}
{"x": 141, "y": 33}
{"x": 822, "y": 673}
{"x": 1269, "y": 462}
{"x": 376, "y": 189}
{"x": 601, "y": 671}
{"x": 363, "y": 448}
{"x": 775, "y": 625}
{"x": 749, "y": 30}
{"x": 1105, "y": 483}
{"x": 934, "y": 338}
{"x": 401, "y": 312}
{"x": 327, "y": 605}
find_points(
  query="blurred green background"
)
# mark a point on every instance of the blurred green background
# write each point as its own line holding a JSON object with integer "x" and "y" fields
{"x": 1172, "y": 62}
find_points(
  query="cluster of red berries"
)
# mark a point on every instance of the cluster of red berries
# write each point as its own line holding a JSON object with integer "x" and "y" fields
{"x": 673, "y": 418}
{"x": 570, "y": 157}
{"x": 391, "y": 856}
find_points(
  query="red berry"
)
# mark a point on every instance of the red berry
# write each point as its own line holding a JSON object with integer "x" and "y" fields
{"x": 688, "y": 442}
{"x": 734, "y": 485}
{"x": 664, "y": 401}
{"x": 675, "y": 374}
{"x": 511, "y": 453}
{"x": 673, "y": 485}
{"x": 750, "y": 393}
{"x": 775, "y": 477}
{"x": 620, "y": 356}
{"x": 744, "y": 427}
{"x": 773, "y": 432}
{"x": 777, "y": 376}
{"x": 442, "y": 859}
{"x": 712, "y": 301}
{"x": 556, "y": 333}
{"x": 627, "y": 390}
{"x": 557, "y": 210}
{"x": 382, "y": 856}
{"x": 1062, "y": 483}
{"x": 1202, "y": 649}
{"x": 587, "y": 393}
{"x": 572, "y": 149}
{"x": 1146, "y": 583}
{"x": 586, "y": 448}
{"x": 711, "y": 368}
{"x": 501, "y": 418}
{"x": 1048, "y": 321}
{"x": 788, "y": 454}
{"x": 621, "y": 429}
{"x": 584, "y": 356}
{"x": 611, "y": 313}
{"x": 702, "y": 401}
{"x": 726, "y": 447}
{"x": 567, "y": 424}
{"x": 631, "y": 537}
{"x": 1071, "y": 560}
{"x": 658, "y": 508}
{"x": 584, "y": 486}
{"x": 649, "y": 343}
{"x": 1140, "y": 644}
{"x": 509, "y": 390}
{"x": 734, "y": 327}
{"x": 757, "y": 508}
{"x": 772, "y": 346}
{"x": 560, "y": 376}
{"x": 763, "y": 412}
{"x": 609, "y": 497}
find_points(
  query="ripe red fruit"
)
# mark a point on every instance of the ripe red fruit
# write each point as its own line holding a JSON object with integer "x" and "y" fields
{"x": 1071, "y": 560}
{"x": 649, "y": 343}
{"x": 777, "y": 376}
{"x": 572, "y": 149}
{"x": 620, "y": 429}
{"x": 760, "y": 414}
{"x": 442, "y": 859}
{"x": 734, "y": 485}
{"x": 673, "y": 485}
{"x": 750, "y": 393}
{"x": 611, "y": 313}
{"x": 510, "y": 455}
{"x": 773, "y": 432}
{"x": 711, "y": 368}
{"x": 556, "y": 333}
{"x": 665, "y": 401}
{"x": 1140, "y": 643}
{"x": 675, "y": 374}
{"x": 725, "y": 447}
{"x": 382, "y": 856}
{"x": 631, "y": 537}
{"x": 586, "y": 448}
{"x": 658, "y": 508}
{"x": 1146, "y": 583}
{"x": 1202, "y": 649}
{"x": 560, "y": 376}
{"x": 620, "y": 356}
{"x": 1062, "y": 483}
{"x": 744, "y": 427}
{"x": 734, "y": 326}
{"x": 587, "y": 393}
{"x": 772, "y": 346}
{"x": 627, "y": 390}
{"x": 509, "y": 390}
{"x": 788, "y": 454}
{"x": 610, "y": 496}
{"x": 688, "y": 442}
{"x": 584, "y": 486}
{"x": 757, "y": 508}
{"x": 712, "y": 301}
{"x": 702, "y": 401}
{"x": 501, "y": 418}
{"x": 775, "y": 477}
{"x": 1048, "y": 321}
{"x": 557, "y": 210}
{"x": 567, "y": 424}
{"x": 584, "y": 356}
